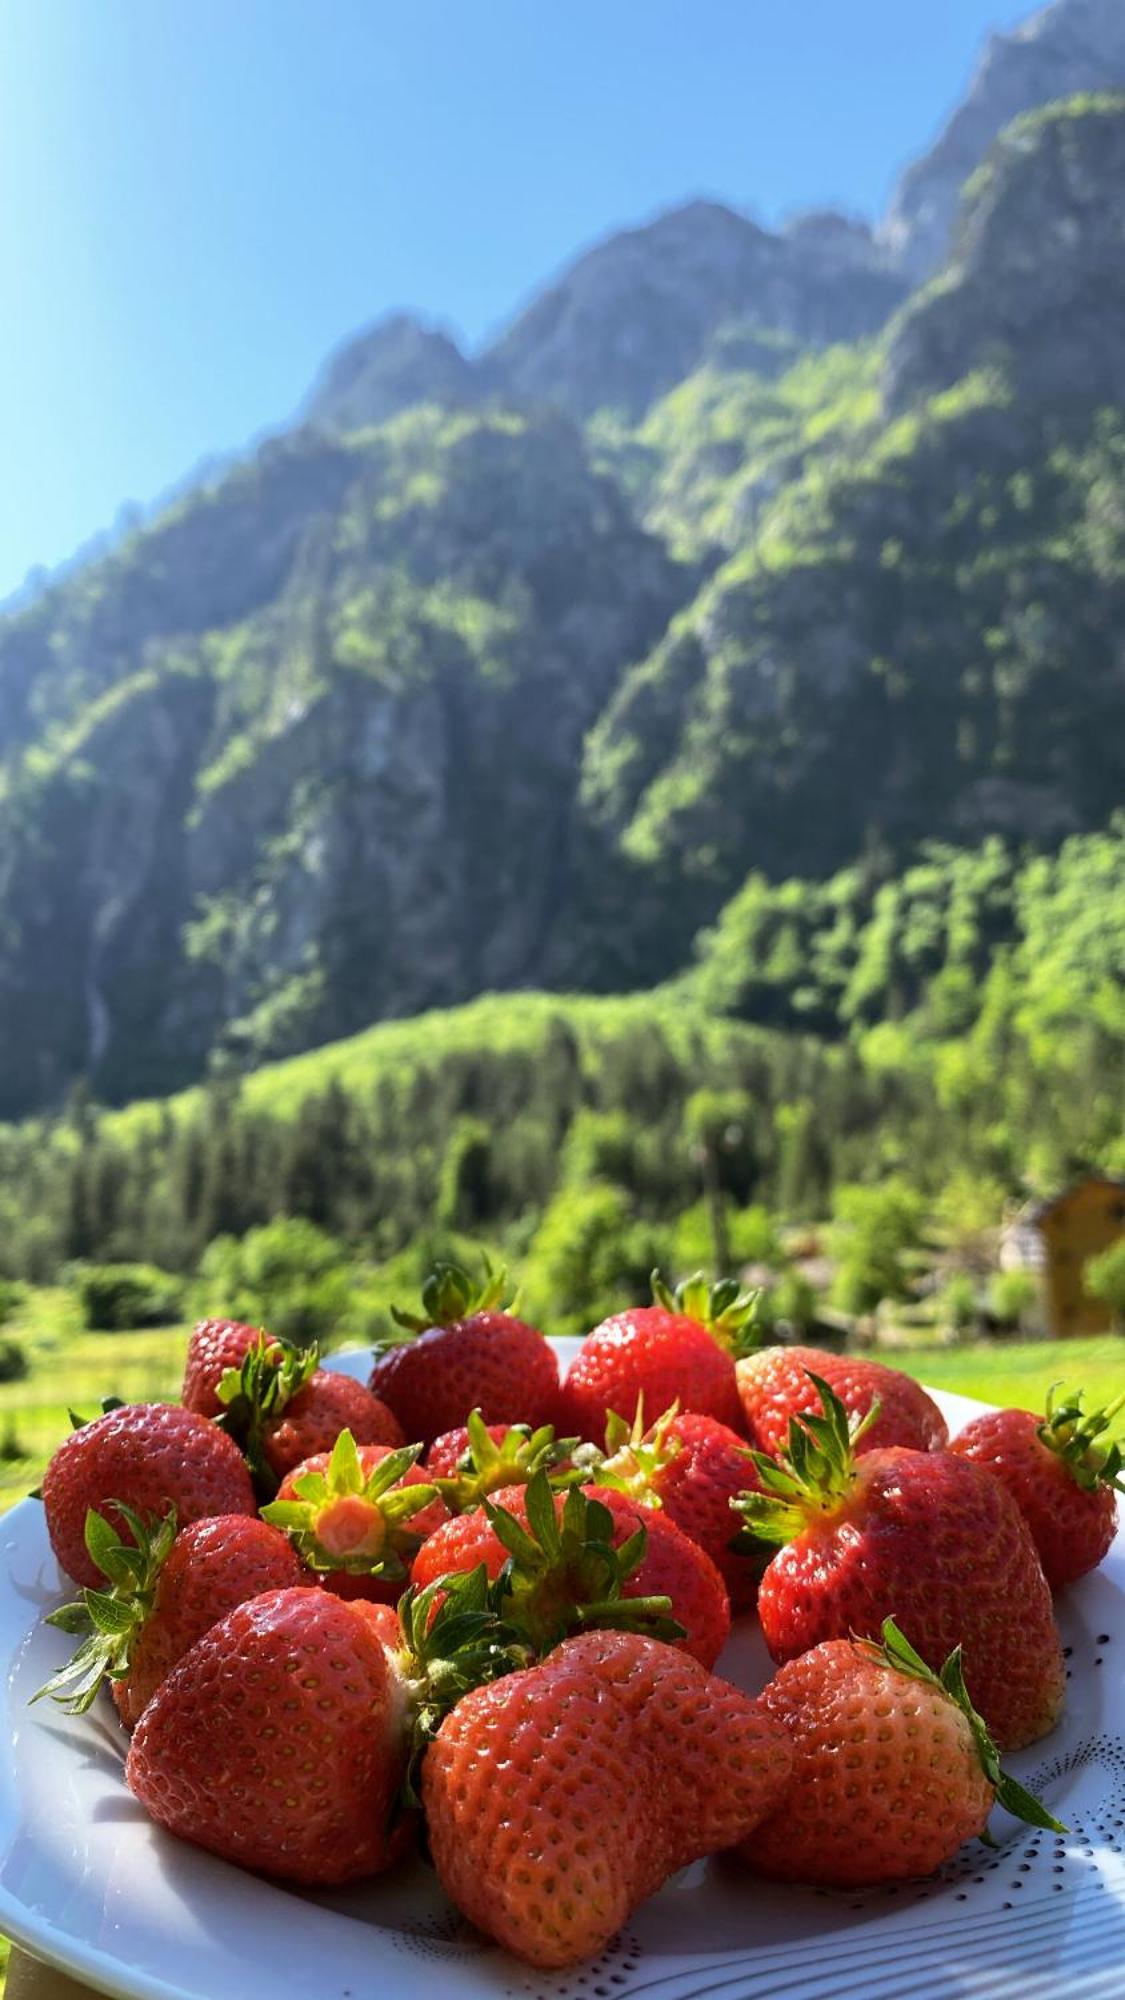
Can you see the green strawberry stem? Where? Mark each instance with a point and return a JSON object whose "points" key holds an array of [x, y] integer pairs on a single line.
{"points": [[896, 1651], [815, 1477], [634, 1457], [485, 1466], [450, 1294], [1077, 1436], [257, 1393], [563, 1574], [727, 1311], [109, 1621], [346, 1519]]}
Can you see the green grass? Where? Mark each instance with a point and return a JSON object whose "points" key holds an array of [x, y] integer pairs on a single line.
{"points": [[71, 1369], [1021, 1372]]}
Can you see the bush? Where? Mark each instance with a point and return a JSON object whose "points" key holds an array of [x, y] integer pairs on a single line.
{"points": [[115, 1297], [1104, 1278], [11, 1296], [13, 1361], [873, 1228], [590, 1258], [957, 1306], [288, 1276], [791, 1303], [751, 1232], [1011, 1294]]}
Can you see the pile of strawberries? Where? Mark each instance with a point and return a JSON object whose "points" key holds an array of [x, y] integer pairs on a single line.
{"points": [[472, 1602]]}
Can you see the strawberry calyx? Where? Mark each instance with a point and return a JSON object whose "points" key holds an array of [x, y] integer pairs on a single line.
{"points": [[485, 1465], [812, 1481], [108, 1621], [455, 1638], [634, 1456], [256, 1394], [1077, 1437], [727, 1310], [897, 1652], [563, 1574], [346, 1519], [451, 1294]]}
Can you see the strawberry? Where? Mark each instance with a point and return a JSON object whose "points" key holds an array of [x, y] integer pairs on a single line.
{"points": [[570, 1556], [150, 1456], [893, 1769], [358, 1515], [926, 1538], [275, 1401], [776, 1385], [277, 1741], [464, 1352], [1061, 1474], [559, 1798], [693, 1467], [681, 1348], [480, 1458], [165, 1590], [286, 1738]]}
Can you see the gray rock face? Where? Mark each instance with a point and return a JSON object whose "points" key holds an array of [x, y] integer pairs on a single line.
{"points": [[392, 366], [1074, 45], [1037, 284], [635, 314]]}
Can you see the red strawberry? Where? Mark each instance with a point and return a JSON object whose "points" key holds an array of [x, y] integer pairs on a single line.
{"points": [[692, 1467], [559, 1798], [555, 1576], [480, 1458], [158, 1594], [893, 1768], [274, 1400], [681, 1349], [465, 1354], [1061, 1474], [217, 1346], [776, 1384], [358, 1516], [277, 1741], [151, 1456], [926, 1538]]}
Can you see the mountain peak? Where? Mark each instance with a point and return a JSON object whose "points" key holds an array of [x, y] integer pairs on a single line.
{"points": [[1064, 49], [396, 363]]}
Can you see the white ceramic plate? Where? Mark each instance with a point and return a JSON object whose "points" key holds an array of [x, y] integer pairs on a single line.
{"points": [[88, 1883]]}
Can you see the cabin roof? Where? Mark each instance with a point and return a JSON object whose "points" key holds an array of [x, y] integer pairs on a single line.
{"points": [[1038, 1211]]}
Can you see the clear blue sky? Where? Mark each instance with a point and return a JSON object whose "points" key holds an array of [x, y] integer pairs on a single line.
{"points": [[200, 198]]}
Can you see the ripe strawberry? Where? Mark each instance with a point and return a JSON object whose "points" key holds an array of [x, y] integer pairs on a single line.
{"points": [[357, 1516], [573, 1555], [151, 1456], [275, 1401], [926, 1538], [277, 1741], [465, 1353], [289, 1734], [681, 1348], [1061, 1474], [776, 1384], [164, 1591], [893, 1768], [693, 1467], [480, 1458], [215, 1347], [559, 1798]]}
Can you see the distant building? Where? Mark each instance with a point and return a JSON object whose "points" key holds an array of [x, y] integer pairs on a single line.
{"points": [[1055, 1239]]}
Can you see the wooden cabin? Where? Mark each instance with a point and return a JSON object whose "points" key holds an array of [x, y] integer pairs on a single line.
{"points": [[1055, 1239]]}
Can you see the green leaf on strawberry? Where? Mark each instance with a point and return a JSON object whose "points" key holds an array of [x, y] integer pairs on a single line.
{"points": [[108, 1621], [1077, 1437], [897, 1652], [257, 1393], [346, 1519], [727, 1310], [485, 1465], [450, 1294], [814, 1478]]}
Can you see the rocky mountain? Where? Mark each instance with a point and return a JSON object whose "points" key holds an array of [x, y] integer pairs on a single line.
{"points": [[506, 670], [1067, 48]]}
